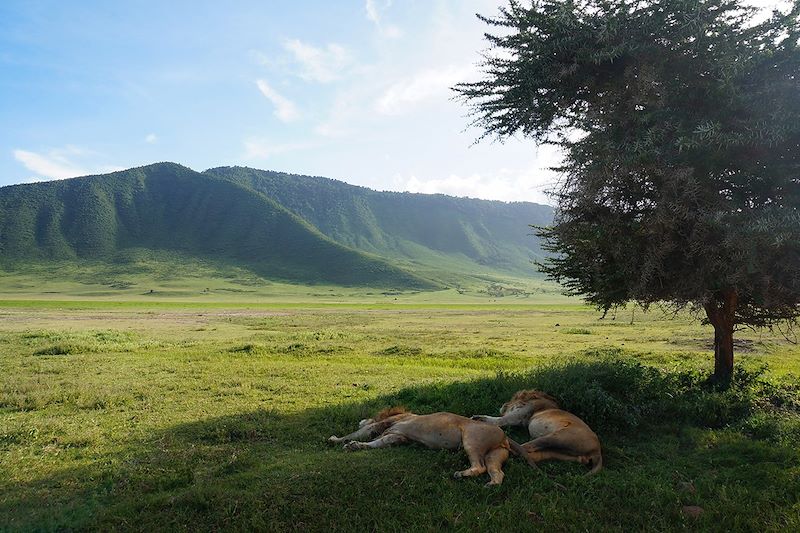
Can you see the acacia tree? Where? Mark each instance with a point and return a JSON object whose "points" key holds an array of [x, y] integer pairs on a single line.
{"points": [[679, 121]]}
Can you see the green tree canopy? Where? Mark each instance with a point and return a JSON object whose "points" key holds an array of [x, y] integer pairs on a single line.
{"points": [[680, 126]]}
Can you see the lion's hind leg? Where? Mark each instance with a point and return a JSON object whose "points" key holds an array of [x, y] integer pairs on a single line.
{"points": [[475, 446], [495, 460], [477, 466], [387, 439], [550, 447], [547, 455]]}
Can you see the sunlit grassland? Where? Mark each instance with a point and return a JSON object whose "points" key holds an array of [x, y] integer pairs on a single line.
{"points": [[148, 276], [207, 415]]}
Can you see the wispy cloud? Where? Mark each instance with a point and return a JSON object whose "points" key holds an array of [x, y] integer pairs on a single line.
{"points": [[54, 164], [59, 163], [504, 185], [322, 65], [374, 16], [151, 138], [428, 84], [285, 109], [532, 181], [372, 12]]}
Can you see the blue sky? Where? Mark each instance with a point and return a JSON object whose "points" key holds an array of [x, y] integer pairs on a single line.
{"points": [[355, 90]]}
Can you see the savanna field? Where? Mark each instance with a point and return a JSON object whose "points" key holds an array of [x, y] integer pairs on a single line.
{"points": [[142, 415], [231, 231]]}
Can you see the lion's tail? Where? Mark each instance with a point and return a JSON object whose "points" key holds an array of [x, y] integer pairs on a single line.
{"points": [[518, 450], [597, 462]]}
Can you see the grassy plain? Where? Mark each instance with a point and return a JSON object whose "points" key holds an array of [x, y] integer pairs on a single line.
{"points": [[176, 278], [118, 414]]}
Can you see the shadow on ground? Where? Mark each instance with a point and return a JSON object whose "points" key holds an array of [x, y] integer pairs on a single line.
{"points": [[667, 443]]}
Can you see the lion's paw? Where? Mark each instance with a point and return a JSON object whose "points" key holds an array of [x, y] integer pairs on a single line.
{"points": [[352, 446]]}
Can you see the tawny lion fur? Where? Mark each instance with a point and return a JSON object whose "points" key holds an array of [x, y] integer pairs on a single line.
{"points": [[386, 412], [486, 446], [555, 433]]}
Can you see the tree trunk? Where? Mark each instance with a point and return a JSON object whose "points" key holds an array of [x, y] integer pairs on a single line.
{"points": [[721, 311]]}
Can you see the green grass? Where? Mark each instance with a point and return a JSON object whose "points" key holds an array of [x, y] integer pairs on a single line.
{"points": [[207, 415], [160, 277]]}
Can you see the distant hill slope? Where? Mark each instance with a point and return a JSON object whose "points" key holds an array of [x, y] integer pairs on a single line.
{"points": [[169, 207], [419, 228]]}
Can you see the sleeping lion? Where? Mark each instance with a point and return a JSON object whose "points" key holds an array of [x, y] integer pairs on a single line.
{"points": [[555, 434], [486, 446]]}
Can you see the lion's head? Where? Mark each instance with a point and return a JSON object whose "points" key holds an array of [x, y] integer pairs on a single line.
{"points": [[383, 414], [526, 396], [386, 412]]}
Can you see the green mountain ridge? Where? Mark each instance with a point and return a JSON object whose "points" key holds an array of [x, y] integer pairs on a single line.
{"points": [[169, 207], [418, 228], [300, 229]]}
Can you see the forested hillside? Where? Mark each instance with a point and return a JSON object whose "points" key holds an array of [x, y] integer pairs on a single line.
{"points": [[301, 229], [415, 227], [169, 207]]}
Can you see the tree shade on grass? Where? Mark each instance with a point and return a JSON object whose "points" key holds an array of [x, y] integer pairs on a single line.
{"points": [[680, 124]]}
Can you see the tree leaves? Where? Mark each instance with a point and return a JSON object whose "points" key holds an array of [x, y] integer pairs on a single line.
{"points": [[684, 181]]}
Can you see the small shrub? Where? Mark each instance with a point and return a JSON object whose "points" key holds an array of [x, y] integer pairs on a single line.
{"points": [[246, 348], [65, 343], [58, 349], [783, 428], [296, 347], [576, 331], [401, 351], [479, 353]]}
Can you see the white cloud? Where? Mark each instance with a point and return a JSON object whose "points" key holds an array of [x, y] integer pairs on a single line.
{"points": [[428, 84], [322, 65], [372, 12], [530, 182], [151, 138], [285, 109], [54, 164], [374, 16], [504, 185], [59, 163]]}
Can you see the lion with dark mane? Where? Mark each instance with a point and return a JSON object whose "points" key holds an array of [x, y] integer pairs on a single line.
{"points": [[555, 433]]}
